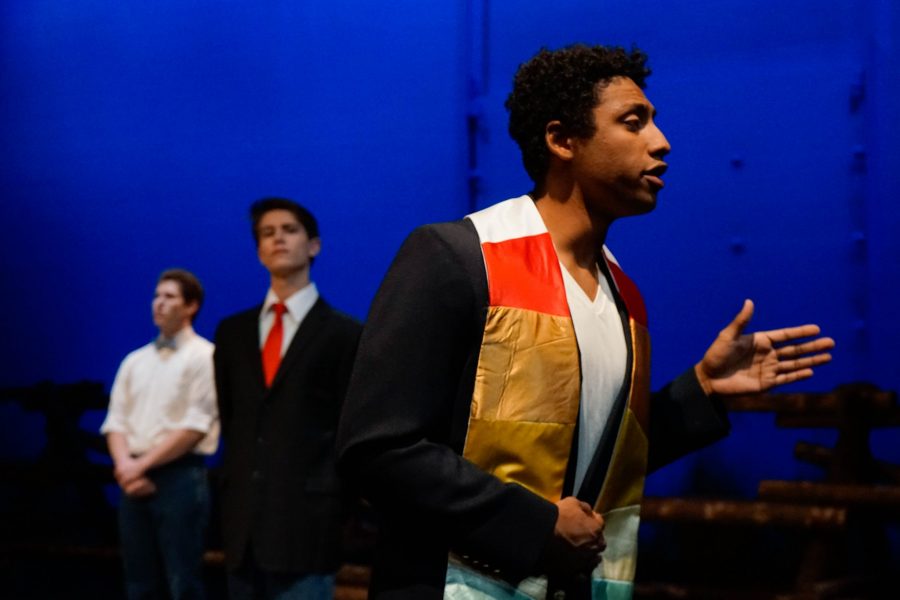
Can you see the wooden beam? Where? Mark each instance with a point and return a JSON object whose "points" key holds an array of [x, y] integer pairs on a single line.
{"points": [[743, 512], [827, 402], [878, 420], [842, 494], [821, 456]]}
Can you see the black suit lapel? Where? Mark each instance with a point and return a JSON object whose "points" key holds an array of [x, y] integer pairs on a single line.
{"points": [[249, 345], [309, 328]]}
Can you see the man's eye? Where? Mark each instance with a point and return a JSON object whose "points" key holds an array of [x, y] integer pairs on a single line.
{"points": [[634, 124]]}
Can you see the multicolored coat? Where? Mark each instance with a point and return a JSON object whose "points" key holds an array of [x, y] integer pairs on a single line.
{"points": [[460, 418]]}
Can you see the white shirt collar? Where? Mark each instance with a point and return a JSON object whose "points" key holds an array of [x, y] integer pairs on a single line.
{"points": [[298, 304], [182, 337]]}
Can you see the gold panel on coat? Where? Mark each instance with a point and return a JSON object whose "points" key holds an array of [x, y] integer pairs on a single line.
{"points": [[528, 369], [534, 455], [624, 484]]}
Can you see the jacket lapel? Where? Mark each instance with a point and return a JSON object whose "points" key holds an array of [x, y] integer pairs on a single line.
{"points": [[249, 341]]}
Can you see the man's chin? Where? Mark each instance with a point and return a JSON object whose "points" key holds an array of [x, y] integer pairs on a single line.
{"points": [[641, 207], [285, 270]]}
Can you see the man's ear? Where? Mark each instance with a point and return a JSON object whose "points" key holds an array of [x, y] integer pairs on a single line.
{"points": [[559, 143], [315, 246], [192, 309]]}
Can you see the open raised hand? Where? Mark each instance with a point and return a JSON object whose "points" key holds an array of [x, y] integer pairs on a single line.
{"points": [[739, 363]]}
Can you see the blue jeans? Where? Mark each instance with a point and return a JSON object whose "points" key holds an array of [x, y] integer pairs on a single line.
{"points": [[162, 535], [250, 582]]}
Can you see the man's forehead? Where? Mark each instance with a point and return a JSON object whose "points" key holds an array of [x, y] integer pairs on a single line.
{"points": [[168, 287], [278, 216], [621, 93]]}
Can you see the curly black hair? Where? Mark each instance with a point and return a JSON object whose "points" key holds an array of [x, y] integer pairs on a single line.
{"points": [[564, 85]]}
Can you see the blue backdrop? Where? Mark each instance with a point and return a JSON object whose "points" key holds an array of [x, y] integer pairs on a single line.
{"points": [[136, 134]]}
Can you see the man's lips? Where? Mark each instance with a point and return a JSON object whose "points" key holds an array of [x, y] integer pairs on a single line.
{"points": [[654, 180], [654, 175]]}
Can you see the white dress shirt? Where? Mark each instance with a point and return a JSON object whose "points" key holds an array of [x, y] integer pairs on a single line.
{"points": [[298, 306], [158, 390]]}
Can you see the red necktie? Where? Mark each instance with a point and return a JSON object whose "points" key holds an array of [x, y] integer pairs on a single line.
{"points": [[271, 353]]}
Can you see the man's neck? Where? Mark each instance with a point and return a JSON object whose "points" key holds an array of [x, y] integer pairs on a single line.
{"points": [[171, 333], [288, 285], [577, 234]]}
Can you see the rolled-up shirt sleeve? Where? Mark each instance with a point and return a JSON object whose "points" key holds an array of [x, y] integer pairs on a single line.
{"points": [[157, 392], [202, 411]]}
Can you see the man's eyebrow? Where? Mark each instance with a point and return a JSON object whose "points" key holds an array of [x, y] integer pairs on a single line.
{"points": [[640, 108]]}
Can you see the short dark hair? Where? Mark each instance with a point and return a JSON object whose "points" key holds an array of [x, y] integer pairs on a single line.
{"points": [[191, 289], [564, 85], [264, 205]]}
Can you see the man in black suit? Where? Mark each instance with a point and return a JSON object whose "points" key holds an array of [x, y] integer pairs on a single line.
{"points": [[499, 416], [281, 374]]}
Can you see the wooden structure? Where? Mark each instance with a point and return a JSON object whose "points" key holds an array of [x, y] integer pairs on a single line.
{"points": [[840, 520], [846, 552]]}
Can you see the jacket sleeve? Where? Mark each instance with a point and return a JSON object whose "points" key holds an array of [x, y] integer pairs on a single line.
{"points": [[683, 419], [411, 385]]}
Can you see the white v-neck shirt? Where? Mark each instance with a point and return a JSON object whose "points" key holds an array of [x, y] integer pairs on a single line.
{"points": [[601, 345]]}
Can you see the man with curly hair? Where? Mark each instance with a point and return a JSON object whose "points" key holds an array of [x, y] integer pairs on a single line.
{"points": [[499, 415]]}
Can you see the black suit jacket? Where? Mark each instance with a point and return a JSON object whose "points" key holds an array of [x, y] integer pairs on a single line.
{"points": [[280, 492], [404, 424]]}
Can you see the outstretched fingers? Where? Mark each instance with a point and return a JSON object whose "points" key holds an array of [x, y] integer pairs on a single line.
{"points": [[787, 334], [800, 358], [803, 364], [793, 376], [817, 345]]}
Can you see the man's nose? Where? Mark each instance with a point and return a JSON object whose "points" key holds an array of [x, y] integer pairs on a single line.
{"points": [[659, 145]]}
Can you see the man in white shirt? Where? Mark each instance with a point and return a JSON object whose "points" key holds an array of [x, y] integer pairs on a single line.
{"points": [[162, 421], [281, 374]]}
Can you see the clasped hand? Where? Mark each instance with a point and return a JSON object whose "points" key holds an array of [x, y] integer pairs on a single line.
{"points": [[577, 538], [130, 475]]}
